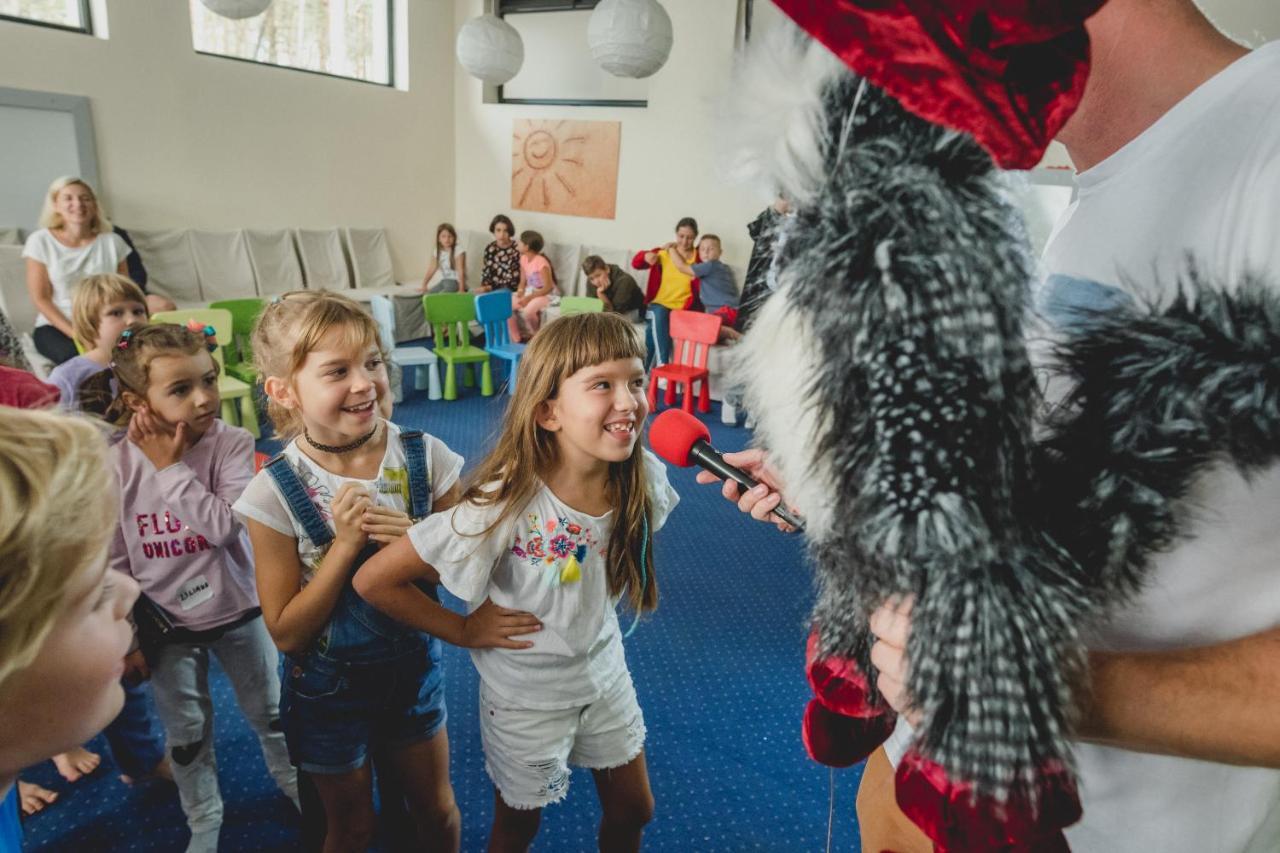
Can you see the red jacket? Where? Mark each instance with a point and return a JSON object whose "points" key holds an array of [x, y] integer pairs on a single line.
{"points": [[694, 302]]}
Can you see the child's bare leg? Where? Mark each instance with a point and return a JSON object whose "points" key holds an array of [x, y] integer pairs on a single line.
{"points": [[35, 797], [76, 763], [627, 802], [513, 829], [424, 769], [350, 823]]}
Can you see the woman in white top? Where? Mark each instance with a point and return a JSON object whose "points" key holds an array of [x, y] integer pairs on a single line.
{"points": [[448, 261], [75, 240]]}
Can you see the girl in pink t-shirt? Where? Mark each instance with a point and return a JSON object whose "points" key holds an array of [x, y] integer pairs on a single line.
{"points": [[180, 469], [537, 283]]}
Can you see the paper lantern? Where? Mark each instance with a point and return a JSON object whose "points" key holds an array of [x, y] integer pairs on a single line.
{"points": [[490, 49], [237, 9], [630, 38]]}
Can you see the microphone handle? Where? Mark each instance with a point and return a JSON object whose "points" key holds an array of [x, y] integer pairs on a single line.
{"points": [[707, 457]]}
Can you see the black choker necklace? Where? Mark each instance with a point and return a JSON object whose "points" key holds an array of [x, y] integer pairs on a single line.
{"points": [[340, 448]]}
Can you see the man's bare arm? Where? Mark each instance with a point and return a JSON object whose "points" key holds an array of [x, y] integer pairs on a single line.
{"points": [[1217, 703]]}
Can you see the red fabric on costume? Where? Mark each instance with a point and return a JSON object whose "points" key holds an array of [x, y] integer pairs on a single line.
{"points": [[1008, 72], [946, 812], [840, 726]]}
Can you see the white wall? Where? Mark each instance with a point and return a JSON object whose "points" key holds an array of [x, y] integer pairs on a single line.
{"points": [[186, 140], [668, 159]]}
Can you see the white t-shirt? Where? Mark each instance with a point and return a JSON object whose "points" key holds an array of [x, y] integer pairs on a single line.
{"points": [[67, 266], [550, 561], [263, 502], [446, 264], [1204, 179]]}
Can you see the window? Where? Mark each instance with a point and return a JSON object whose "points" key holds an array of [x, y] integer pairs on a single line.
{"points": [[62, 14], [558, 66], [341, 38]]}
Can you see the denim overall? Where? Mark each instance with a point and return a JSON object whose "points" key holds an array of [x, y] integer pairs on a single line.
{"points": [[367, 675]]}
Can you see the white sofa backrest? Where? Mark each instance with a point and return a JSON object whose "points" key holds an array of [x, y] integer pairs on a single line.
{"points": [[222, 265], [14, 299], [324, 266], [370, 257], [171, 269], [275, 261]]}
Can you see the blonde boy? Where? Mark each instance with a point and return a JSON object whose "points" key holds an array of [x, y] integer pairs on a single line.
{"points": [[101, 308]]}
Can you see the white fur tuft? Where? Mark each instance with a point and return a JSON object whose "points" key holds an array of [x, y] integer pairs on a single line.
{"points": [[766, 363], [772, 121]]}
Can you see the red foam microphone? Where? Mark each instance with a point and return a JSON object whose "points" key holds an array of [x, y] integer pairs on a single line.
{"points": [[683, 440]]}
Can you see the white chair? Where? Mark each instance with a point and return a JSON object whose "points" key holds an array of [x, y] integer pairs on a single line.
{"points": [[171, 269], [418, 359], [323, 264], [275, 262], [222, 264]]}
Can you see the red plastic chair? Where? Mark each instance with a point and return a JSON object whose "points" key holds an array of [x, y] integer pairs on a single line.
{"points": [[693, 333]]}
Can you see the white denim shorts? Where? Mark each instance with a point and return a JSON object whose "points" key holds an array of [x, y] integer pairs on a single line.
{"points": [[527, 753]]}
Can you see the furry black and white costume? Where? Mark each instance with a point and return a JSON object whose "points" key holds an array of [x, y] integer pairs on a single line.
{"points": [[905, 433]]}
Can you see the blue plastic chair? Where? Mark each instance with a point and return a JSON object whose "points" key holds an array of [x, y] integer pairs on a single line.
{"points": [[492, 311]]}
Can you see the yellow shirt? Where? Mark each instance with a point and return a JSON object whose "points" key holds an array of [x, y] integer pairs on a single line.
{"points": [[675, 288]]}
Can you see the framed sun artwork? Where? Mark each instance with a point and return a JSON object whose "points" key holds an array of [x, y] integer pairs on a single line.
{"points": [[565, 167]]}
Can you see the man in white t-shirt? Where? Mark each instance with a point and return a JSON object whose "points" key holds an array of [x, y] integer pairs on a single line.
{"points": [[1177, 144]]}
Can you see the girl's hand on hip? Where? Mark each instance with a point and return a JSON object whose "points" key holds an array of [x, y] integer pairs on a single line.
{"points": [[159, 442], [491, 626], [348, 510], [385, 525]]}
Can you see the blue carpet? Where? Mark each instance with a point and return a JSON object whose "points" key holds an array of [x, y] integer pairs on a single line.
{"points": [[718, 669]]}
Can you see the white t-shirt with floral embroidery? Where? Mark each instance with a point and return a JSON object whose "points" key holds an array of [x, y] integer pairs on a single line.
{"points": [[263, 502], [550, 561]]}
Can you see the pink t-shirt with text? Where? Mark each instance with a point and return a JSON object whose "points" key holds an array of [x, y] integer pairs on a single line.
{"points": [[177, 535]]}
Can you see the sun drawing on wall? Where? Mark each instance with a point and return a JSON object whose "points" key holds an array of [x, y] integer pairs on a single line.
{"points": [[566, 167]]}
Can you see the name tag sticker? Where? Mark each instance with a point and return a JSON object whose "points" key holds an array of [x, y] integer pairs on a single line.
{"points": [[196, 591]]}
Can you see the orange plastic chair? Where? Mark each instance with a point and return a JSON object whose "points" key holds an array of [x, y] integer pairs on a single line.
{"points": [[693, 333]]}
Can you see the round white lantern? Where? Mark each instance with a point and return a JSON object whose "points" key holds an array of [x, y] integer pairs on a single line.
{"points": [[490, 49], [237, 9], [630, 38]]}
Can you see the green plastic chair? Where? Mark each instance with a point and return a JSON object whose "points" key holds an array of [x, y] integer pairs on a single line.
{"points": [[450, 316], [570, 305], [237, 395], [239, 352]]}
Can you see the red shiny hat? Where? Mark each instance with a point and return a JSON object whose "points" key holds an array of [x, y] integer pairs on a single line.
{"points": [[1008, 72]]}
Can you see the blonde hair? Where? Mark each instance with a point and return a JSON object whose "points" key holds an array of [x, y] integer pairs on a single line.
{"points": [[92, 295], [131, 367], [291, 327], [53, 467], [50, 218], [525, 453]]}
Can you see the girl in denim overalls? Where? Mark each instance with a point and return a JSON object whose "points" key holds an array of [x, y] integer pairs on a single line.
{"points": [[349, 482], [558, 521]]}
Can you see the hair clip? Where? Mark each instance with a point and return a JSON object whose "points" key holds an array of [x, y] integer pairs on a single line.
{"points": [[210, 333], [125, 336]]}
